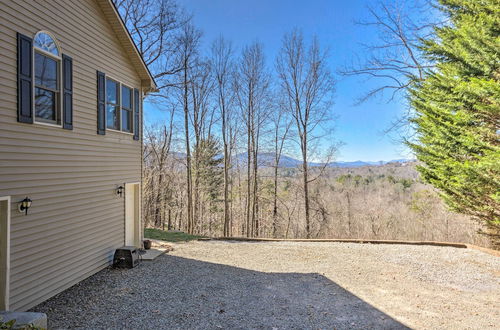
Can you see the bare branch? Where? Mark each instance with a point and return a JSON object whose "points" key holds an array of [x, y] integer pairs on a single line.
{"points": [[396, 57]]}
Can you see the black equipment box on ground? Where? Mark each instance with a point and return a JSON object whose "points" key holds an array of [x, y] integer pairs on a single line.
{"points": [[126, 257]]}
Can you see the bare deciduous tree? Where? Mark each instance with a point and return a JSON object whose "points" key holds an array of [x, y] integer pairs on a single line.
{"points": [[308, 87], [201, 86], [188, 43], [156, 153], [252, 94], [281, 128], [153, 25], [222, 62]]}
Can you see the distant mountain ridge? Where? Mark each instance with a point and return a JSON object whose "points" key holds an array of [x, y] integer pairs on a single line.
{"points": [[267, 160]]}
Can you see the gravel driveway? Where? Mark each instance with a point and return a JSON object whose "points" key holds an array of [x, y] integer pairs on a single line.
{"points": [[289, 285]]}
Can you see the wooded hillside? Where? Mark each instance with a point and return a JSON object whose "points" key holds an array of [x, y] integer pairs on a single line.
{"points": [[378, 202]]}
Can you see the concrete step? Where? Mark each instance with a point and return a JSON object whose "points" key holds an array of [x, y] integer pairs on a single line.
{"points": [[152, 254]]}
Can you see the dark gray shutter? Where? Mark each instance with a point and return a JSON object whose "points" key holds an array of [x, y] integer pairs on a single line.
{"points": [[101, 103], [67, 70], [137, 117], [24, 79]]}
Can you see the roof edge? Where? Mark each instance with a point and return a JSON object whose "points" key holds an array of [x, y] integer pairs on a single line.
{"points": [[125, 32]]}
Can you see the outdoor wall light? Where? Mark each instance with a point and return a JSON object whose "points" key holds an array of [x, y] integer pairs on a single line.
{"points": [[119, 191], [24, 205]]}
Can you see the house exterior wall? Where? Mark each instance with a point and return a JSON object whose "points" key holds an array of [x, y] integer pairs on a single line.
{"points": [[76, 219]]}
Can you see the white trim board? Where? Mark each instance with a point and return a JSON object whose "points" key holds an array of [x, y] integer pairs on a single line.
{"points": [[133, 233], [5, 263]]}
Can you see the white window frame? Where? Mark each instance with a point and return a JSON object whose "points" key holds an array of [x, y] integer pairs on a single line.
{"points": [[119, 103], [120, 84], [132, 98], [58, 59]]}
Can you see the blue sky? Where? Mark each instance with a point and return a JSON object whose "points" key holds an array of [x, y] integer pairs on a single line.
{"points": [[360, 127]]}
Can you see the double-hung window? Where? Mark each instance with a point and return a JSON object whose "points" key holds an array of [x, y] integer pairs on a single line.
{"points": [[112, 104], [119, 106], [47, 94], [127, 109]]}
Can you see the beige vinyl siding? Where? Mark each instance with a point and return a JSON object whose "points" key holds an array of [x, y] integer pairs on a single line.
{"points": [[76, 220]]}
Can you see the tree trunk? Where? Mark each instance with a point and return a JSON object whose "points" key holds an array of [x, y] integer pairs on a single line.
{"points": [[255, 204], [158, 220], [249, 232], [305, 168], [255, 209], [188, 155], [348, 197], [226, 175], [196, 190], [275, 202], [275, 191]]}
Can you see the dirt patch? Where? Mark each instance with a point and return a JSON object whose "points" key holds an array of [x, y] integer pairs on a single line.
{"points": [[218, 284]]}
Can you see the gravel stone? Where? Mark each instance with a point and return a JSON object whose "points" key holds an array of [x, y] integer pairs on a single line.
{"points": [[289, 285]]}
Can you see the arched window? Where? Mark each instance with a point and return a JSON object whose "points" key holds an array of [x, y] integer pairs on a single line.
{"points": [[47, 65], [45, 42]]}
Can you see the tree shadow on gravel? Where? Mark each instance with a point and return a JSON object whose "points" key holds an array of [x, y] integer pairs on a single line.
{"points": [[179, 293]]}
